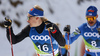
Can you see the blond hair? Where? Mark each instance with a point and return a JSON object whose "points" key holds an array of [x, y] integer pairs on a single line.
{"points": [[39, 8]]}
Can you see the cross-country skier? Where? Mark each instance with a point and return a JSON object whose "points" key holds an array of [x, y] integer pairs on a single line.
{"points": [[38, 32], [90, 32]]}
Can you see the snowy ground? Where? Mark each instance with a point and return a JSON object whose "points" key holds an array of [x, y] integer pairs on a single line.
{"points": [[65, 12]]}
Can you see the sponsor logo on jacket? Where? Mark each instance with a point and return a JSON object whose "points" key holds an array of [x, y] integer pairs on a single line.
{"points": [[41, 37], [90, 34]]}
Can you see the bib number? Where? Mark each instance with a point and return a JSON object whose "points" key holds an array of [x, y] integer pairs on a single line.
{"points": [[93, 43], [44, 47]]}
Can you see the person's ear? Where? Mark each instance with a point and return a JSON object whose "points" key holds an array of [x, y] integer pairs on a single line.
{"points": [[97, 16]]}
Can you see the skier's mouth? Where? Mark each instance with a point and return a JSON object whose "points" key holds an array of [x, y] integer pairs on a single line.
{"points": [[91, 22]]}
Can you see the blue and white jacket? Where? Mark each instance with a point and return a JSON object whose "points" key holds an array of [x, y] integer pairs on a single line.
{"points": [[90, 35]]}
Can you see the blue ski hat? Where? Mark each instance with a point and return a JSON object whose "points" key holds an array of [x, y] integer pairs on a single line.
{"points": [[91, 11], [36, 12]]}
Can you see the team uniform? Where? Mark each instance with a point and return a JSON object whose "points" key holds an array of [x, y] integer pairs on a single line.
{"points": [[41, 41], [91, 38]]}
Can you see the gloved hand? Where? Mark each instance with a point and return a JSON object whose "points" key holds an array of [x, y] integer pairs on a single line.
{"points": [[67, 28], [7, 22], [67, 47], [49, 25]]}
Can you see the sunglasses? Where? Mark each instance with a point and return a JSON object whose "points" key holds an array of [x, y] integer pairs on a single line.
{"points": [[29, 17], [90, 18]]}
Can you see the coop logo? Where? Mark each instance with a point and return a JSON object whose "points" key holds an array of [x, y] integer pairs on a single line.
{"points": [[41, 37], [89, 34]]}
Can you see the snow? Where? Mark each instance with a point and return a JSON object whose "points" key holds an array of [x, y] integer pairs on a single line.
{"points": [[65, 12]]}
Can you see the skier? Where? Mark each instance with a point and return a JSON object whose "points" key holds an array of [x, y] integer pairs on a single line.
{"points": [[90, 32], [38, 32]]}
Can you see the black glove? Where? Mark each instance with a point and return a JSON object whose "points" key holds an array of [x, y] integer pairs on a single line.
{"points": [[67, 28], [7, 23], [49, 25]]}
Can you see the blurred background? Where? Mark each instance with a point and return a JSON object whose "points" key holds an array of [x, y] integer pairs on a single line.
{"points": [[64, 12]]}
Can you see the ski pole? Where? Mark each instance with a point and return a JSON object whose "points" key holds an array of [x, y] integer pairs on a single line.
{"points": [[60, 51], [10, 38], [68, 39], [11, 42], [68, 44], [51, 41]]}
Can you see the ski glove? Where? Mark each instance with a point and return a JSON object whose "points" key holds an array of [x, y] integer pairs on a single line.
{"points": [[67, 28], [7, 22], [50, 25]]}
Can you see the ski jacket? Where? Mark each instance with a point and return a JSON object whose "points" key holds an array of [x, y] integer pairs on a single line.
{"points": [[90, 36], [41, 41]]}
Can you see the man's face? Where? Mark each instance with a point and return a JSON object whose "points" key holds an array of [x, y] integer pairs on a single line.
{"points": [[91, 20]]}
